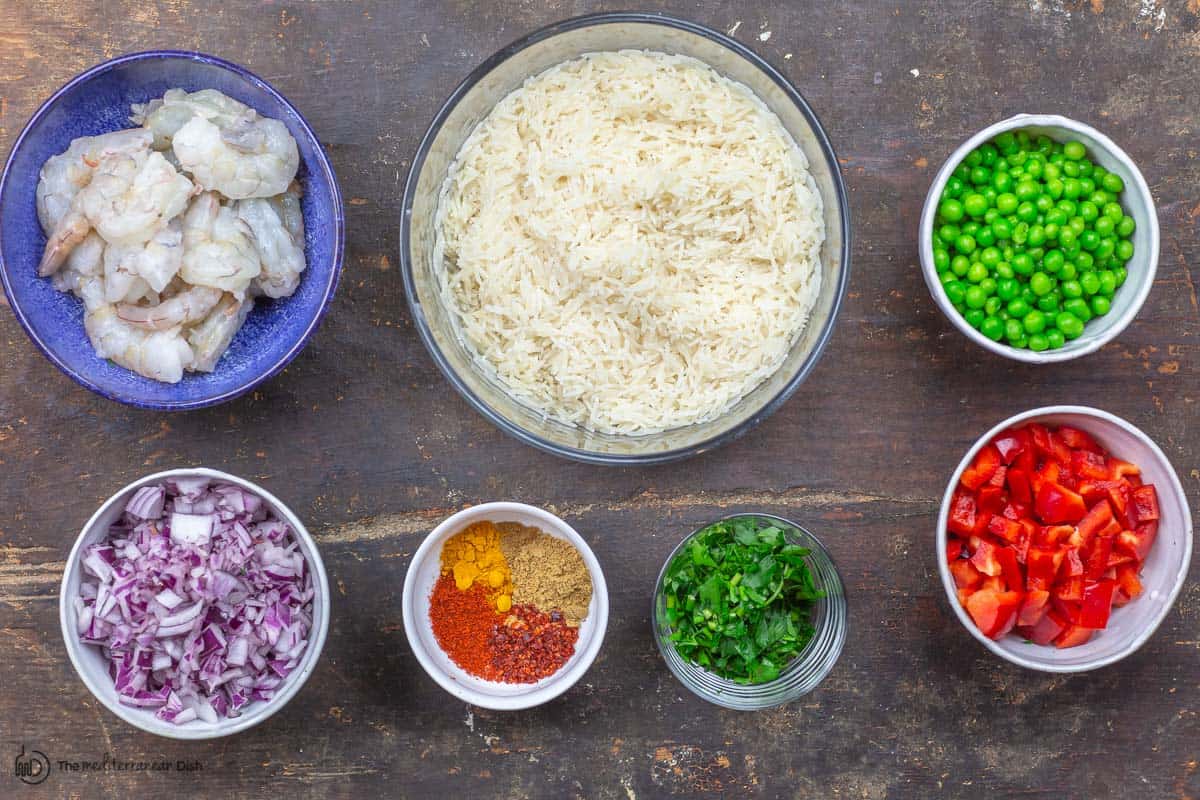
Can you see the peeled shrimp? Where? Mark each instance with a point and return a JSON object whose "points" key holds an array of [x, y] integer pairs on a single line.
{"points": [[165, 116], [278, 230], [122, 283], [218, 247], [83, 273], [156, 262], [184, 308], [212, 337], [247, 158], [129, 198], [161, 355], [63, 175]]}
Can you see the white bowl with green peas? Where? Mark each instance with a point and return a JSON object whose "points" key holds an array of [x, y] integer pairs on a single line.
{"points": [[1119, 300]]}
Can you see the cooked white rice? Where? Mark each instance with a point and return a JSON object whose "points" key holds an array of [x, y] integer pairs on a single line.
{"points": [[629, 242]]}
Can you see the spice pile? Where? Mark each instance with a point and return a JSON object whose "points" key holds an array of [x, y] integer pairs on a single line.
{"points": [[510, 599]]}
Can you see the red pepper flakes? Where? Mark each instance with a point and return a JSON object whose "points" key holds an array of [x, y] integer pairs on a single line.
{"points": [[462, 622], [530, 644]]}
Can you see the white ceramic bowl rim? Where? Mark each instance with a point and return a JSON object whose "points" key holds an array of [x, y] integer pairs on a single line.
{"points": [[1180, 577], [1138, 187], [558, 683], [258, 711]]}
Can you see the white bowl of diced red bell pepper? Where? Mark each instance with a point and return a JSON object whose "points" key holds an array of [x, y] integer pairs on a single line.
{"points": [[1064, 538]]}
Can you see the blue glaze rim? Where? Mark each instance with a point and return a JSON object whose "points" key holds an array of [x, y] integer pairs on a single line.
{"points": [[339, 231], [418, 314]]}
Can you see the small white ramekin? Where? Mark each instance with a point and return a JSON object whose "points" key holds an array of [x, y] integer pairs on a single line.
{"points": [[1136, 199], [423, 573], [1163, 574], [91, 665]]}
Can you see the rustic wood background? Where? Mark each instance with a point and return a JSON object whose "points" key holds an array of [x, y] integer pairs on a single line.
{"points": [[365, 440]]}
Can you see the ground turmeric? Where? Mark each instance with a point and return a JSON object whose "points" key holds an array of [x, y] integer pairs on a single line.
{"points": [[473, 555]]}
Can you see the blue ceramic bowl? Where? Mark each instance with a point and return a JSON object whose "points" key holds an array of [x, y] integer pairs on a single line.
{"points": [[97, 101]]}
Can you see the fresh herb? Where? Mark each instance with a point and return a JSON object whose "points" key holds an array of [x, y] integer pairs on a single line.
{"points": [[739, 600]]}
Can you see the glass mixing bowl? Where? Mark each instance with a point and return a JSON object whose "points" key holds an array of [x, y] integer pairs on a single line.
{"points": [[474, 99]]}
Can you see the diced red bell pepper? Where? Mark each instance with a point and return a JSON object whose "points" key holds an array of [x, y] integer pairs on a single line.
{"points": [[990, 499], [1061, 451], [1074, 636], [1048, 628], [1057, 504], [1049, 472], [1145, 503], [1041, 439], [1053, 535], [997, 478], [1069, 590], [1066, 609], [995, 583], [1129, 585], [1018, 485], [1034, 608], [965, 575], [1010, 444], [1093, 522], [954, 548], [1005, 528], [1077, 439], [1138, 543], [985, 559], [1097, 604], [982, 469], [1116, 558], [1089, 466], [1118, 469], [1010, 570], [1041, 565], [1028, 529], [1072, 565], [994, 612], [962, 514], [1097, 558]]}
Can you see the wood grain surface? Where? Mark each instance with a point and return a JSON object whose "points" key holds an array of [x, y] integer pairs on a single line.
{"points": [[366, 441]]}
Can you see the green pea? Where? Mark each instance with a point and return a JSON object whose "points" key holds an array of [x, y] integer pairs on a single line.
{"points": [[1121, 274], [1038, 343], [1090, 282], [1001, 230], [1001, 181], [1126, 227], [1006, 142], [951, 210], [975, 204], [980, 175], [974, 317], [1070, 169], [988, 285], [1018, 308], [1055, 338], [974, 158], [1054, 187], [956, 291], [989, 257], [992, 327], [1074, 150], [1004, 270], [1043, 203], [1071, 188], [1106, 248], [1124, 250], [1053, 261], [1086, 185], [1068, 271], [1007, 203], [948, 233], [1104, 226], [1034, 322], [1020, 232], [1037, 236], [1078, 307], [1108, 283], [1027, 190], [959, 265], [1069, 324], [992, 306], [965, 243], [1071, 289], [1100, 305], [970, 227], [977, 272], [1088, 210], [1067, 236], [990, 216], [1040, 283], [1068, 207], [1052, 230], [1089, 240], [984, 236], [1013, 330], [975, 297], [1100, 197], [1048, 304], [1034, 169], [1027, 212]]}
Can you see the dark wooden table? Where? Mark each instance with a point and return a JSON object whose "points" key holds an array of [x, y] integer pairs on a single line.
{"points": [[366, 441]]}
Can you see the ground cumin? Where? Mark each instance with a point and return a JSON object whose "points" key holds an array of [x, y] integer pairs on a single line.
{"points": [[546, 572]]}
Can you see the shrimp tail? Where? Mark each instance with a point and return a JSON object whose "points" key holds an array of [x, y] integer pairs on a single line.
{"points": [[72, 230]]}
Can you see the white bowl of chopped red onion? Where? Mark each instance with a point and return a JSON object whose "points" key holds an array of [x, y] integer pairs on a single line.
{"points": [[194, 604]]}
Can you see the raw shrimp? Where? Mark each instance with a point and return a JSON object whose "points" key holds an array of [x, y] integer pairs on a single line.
{"points": [[248, 158], [129, 198], [157, 261], [218, 247], [184, 308], [84, 272], [122, 283], [211, 338], [161, 355], [63, 175], [278, 230], [165, 116]]}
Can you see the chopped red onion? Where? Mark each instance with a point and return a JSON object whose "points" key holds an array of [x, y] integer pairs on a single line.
{"points": [[200, 599]]}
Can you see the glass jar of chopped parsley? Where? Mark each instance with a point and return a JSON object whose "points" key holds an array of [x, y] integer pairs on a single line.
{"points": [[749, 612]]}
